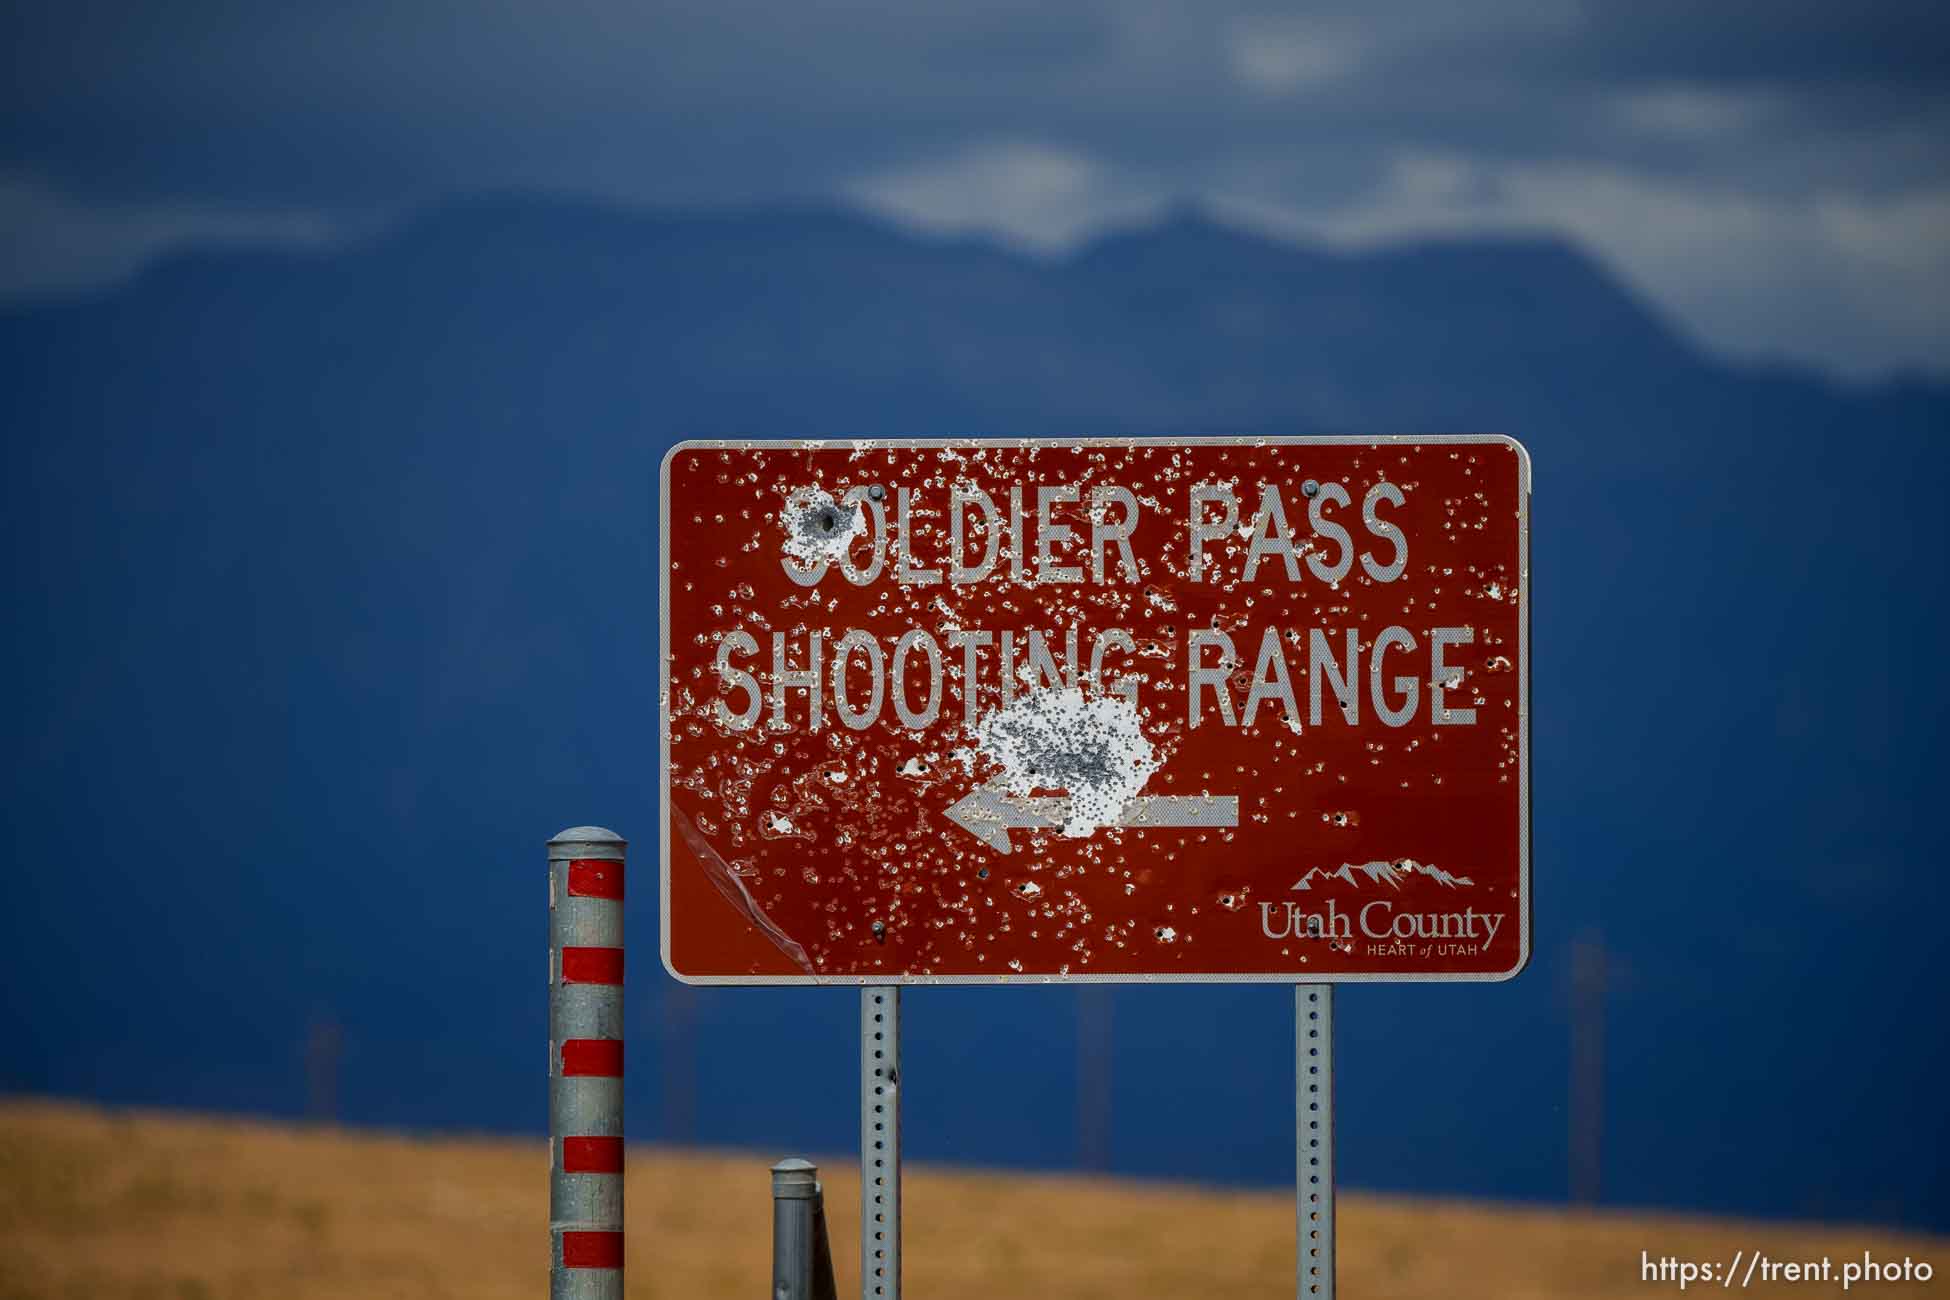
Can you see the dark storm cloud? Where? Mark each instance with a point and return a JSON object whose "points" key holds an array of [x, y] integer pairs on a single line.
{"points": [[1345, 117], [362, 100], [1821, 48]]}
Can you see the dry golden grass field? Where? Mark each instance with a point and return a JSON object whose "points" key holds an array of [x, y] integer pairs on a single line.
{"points": [[109, 1205]]}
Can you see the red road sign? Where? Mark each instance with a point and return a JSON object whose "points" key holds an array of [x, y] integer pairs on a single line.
{"points": [[1264, 715]]}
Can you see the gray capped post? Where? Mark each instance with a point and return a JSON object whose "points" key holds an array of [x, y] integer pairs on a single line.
{"points": [[802, 1254], [585, 1064]]}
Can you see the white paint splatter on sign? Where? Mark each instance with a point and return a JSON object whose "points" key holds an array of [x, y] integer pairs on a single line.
{"points": [[1061, 740], [818, 529]]}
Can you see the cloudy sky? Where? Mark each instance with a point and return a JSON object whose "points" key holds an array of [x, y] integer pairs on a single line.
{"points": [[1774, 175]]}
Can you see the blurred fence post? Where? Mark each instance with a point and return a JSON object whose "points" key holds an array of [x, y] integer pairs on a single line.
{"points": [[1094, 1062], [1587, 1108], [802, 1254], [585, 1064], [677, 1060], [324, 1049]]}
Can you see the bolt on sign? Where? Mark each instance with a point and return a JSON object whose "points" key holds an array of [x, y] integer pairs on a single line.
{"points": [[1098, 709]]}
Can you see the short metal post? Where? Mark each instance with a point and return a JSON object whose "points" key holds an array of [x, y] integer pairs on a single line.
{"points": [[880, 1143], [802, 1262], [585, 1064], [1313, 1006]]}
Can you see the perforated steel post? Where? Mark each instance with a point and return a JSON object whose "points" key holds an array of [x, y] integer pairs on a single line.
{"points": [[1313, 1016], [880, 1143], [585, 1064]]}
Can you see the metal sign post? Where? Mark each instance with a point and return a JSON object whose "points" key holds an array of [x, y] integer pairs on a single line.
{"points": [[880, 1149], [1313, 1099], [880, 1143]]}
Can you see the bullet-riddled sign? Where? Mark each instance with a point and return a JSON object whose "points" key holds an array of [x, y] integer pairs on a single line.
{"points": [[990, 711]]}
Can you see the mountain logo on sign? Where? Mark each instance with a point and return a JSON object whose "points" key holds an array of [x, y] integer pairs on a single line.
{"points": [[1388, 873]]}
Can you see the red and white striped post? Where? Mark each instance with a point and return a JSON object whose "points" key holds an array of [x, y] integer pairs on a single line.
{"points": [[585, 1064]]}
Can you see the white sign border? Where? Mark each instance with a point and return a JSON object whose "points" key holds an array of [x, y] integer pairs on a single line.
{"points": [[1374, 442]]}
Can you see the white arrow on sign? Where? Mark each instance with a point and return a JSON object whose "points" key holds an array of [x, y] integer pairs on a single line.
{"points": [[990, 814]]}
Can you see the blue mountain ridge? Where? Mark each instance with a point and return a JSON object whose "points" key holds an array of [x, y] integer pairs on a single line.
{"points": [[332, 584]]}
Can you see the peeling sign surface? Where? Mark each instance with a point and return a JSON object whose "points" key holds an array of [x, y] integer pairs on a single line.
{"points": [[1004, 710]]}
